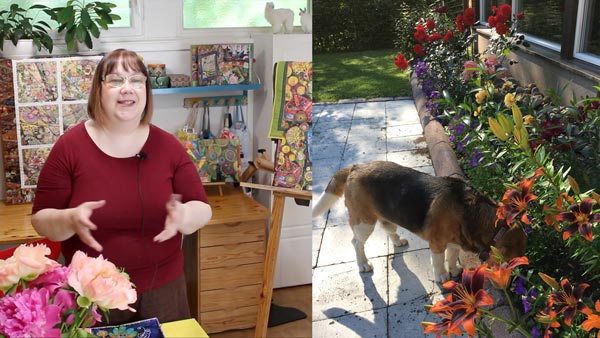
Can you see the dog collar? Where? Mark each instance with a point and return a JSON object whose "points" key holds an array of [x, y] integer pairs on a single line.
{"points": [[484, 255]]}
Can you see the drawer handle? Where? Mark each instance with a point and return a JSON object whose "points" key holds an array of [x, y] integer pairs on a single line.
{"points": [[232, 224]]}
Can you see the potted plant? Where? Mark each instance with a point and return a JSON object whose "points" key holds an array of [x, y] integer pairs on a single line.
{"points": [[17, 23], [81, 20]]}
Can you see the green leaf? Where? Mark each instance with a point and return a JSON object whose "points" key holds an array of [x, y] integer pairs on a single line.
{"points": [[85, 19], [65, 15]]}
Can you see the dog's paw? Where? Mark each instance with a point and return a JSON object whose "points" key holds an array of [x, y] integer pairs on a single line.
{"points": [[442, 278], [399, 241], [455, 271], [365, 267]]}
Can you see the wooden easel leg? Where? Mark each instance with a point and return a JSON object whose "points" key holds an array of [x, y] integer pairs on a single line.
{"points": [[264, 305]]}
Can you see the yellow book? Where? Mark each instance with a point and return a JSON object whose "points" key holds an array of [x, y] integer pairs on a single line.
{"points": [[183, 329]]}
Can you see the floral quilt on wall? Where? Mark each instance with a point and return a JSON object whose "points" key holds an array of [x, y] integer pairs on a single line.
{"points": [[41, 99], [291, 125]]}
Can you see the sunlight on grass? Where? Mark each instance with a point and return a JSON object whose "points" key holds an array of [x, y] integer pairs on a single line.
{"points": [[353, 75]]}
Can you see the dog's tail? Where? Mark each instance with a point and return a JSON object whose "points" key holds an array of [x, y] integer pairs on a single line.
{"points": [[333, 192]]}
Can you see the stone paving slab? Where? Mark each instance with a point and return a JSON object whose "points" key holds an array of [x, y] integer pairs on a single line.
{"points": [[387, 302], [342, 290]]}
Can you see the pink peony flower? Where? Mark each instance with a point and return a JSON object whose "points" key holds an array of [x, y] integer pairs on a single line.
{"points": [[32, 261], [28, 314], [101, 282]]}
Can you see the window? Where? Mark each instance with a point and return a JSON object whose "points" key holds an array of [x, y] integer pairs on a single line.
{"points": [[234, 13], [123, 9], [588, 33], [544, 20]]}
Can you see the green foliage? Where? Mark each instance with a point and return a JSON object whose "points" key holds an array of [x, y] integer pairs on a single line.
{"points": [[16, 24], [354, 25], [351, 75], [81, 20]]}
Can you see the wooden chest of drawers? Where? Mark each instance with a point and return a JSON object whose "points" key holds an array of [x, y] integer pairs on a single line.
{"points": [[224, 263]]}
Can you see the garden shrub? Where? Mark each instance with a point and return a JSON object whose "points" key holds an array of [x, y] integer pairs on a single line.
{"points": [[537, 158]]}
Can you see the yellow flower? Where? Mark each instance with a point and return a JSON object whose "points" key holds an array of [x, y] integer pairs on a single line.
{"points": [[528, 119], [507, 85], [477, 111], [517, 116], [510, 99], [481, 96]]}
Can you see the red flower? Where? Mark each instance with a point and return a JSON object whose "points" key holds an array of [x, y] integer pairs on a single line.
{"points": [[401, 62], [501, 28], [430, 24], [420, 33], [418, 49], [492, 21], [469, 17], [515, 202], [442, 9], [434, 37], [499, 273], [568, 300], [459, 23], [447, 36], [580, 217], [505, 10], [593, 320], [465, 300], [520, 16]]}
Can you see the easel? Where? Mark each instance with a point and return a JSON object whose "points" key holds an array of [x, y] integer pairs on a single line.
{"points": [[266, 295]]}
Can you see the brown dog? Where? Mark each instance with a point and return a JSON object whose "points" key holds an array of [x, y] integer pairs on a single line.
{"points": [[445, 211]]}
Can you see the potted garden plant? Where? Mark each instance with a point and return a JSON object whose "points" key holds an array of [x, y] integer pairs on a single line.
{"points": [[18, 24], [81, 20]]}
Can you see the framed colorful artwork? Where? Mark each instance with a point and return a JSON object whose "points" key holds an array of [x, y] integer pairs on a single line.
{"points": [[221, 64], [42, 100]]}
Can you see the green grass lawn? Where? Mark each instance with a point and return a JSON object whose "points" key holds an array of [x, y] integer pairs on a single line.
{"points": [[353, 75]]}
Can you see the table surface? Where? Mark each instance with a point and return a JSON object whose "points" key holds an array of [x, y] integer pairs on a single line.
{"points": [[16, 228]]}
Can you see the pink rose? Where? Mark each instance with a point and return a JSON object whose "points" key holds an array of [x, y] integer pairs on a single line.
{"points": [[101, 282], [469, 71], [8, 274]]}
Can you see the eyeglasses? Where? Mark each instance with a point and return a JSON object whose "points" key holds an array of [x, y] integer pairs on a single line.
{"points": [[117, 81]]}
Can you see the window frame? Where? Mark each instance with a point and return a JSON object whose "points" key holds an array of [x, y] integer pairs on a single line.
{"points": [[570, 45]]}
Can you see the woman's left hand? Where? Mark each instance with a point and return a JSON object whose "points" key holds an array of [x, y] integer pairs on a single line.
{"points": [[174, 220]]}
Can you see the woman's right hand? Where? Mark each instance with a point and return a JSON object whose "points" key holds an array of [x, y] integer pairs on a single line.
{"points": [[83, 226]]}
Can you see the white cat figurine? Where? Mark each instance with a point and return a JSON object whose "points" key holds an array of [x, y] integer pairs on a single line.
{"points": [[282, 19], [306, 21]]}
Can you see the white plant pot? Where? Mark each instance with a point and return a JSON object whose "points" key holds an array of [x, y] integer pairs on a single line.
{"points": [[23, 50]]}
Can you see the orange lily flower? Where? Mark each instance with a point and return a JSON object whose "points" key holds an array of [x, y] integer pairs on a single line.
{"points": [[515, 202], [465, 300], [548, 317], [568, 300], [500, 273], [580, 217], [593, 320]]}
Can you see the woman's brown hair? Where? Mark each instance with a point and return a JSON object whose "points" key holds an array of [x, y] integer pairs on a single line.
{"points": [[130, 61]]}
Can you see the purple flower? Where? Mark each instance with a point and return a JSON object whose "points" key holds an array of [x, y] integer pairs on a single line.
{"points": [[459, 128], [526, 305], [460, 146], [535, 333], [520, 287], [452, 137]]}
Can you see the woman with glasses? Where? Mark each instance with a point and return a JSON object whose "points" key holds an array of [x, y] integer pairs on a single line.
{"points": [[119, 186]]}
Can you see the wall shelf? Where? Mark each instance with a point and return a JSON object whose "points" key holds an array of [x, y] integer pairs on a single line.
{"points": [[206, 89]]}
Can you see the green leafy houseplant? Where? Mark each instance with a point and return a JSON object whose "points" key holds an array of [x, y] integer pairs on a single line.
{"points": [[16, 23], [81, 20]]}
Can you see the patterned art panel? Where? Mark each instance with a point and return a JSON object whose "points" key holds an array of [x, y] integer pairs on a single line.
{"points": [[36, 81], [291, 125], [49, 97]]}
